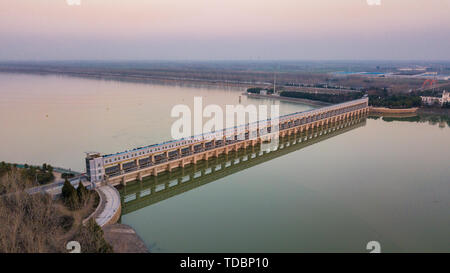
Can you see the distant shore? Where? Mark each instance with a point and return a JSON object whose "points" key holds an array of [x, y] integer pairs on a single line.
{"points": [[129, 76], [235, 79]]}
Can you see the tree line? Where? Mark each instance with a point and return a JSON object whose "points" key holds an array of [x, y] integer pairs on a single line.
{"points": [[395, 101], [257, 90], [31, 174], [74, 198], [381, 97], [325, 97]]}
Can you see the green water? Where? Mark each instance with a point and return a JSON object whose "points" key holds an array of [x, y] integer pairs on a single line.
{"points": [[386, 180]]}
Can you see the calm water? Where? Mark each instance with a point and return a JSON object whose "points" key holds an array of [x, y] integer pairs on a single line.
{"points": [[376, 179], [383, 181], [57, 119]]}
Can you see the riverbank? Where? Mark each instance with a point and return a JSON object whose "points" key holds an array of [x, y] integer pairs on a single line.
{"points": [[409, 111], [124, 239], [384, 110]]}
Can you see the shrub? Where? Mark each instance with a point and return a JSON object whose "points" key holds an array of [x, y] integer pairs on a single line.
{"points": [[82, 193], [91, 239], [69, 195]]}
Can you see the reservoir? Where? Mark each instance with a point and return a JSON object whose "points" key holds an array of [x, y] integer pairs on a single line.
{"points": [[333, 190]]}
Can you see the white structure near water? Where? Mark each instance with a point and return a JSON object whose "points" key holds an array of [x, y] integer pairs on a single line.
{"points": [[436, 100]]}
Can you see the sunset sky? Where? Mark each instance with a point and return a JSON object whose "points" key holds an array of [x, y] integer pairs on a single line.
{"points": [[224, 30]]}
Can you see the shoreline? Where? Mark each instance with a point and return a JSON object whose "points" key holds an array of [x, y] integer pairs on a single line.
{"points": [[409, 111], [124, 239], [385, 110], [149, 79], [135, 77]]}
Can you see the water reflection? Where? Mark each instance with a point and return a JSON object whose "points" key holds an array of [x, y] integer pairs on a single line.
{"points": [[441, 121], [155, 189]]}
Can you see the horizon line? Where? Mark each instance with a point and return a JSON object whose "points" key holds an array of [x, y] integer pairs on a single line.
{"points": [[218, 60]]}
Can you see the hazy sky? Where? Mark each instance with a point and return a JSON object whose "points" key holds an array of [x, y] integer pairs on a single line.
{"points": [[224, 29]]}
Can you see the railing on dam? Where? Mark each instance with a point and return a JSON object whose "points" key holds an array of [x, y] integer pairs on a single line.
{"points": [[158, 188]]}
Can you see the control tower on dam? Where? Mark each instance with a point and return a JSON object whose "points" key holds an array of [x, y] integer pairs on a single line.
{"points": [[123, 167]]}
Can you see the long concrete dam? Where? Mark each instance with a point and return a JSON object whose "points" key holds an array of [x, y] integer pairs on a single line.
{"points": [[154, 189], [135, 164]]}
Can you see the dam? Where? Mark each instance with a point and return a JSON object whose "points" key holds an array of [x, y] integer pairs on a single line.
{"points": [[132, 165]]}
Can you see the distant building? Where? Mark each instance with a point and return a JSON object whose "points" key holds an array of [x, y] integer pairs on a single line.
{"points": [[263, 92], [445, 97], [436, 100], [418, 68]]}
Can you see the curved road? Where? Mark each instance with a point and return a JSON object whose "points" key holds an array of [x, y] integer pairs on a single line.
{"points": [[110, 204]]}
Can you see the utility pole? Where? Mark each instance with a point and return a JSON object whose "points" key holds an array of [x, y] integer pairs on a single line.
{"points": [[274, 82], [275, 79]]}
